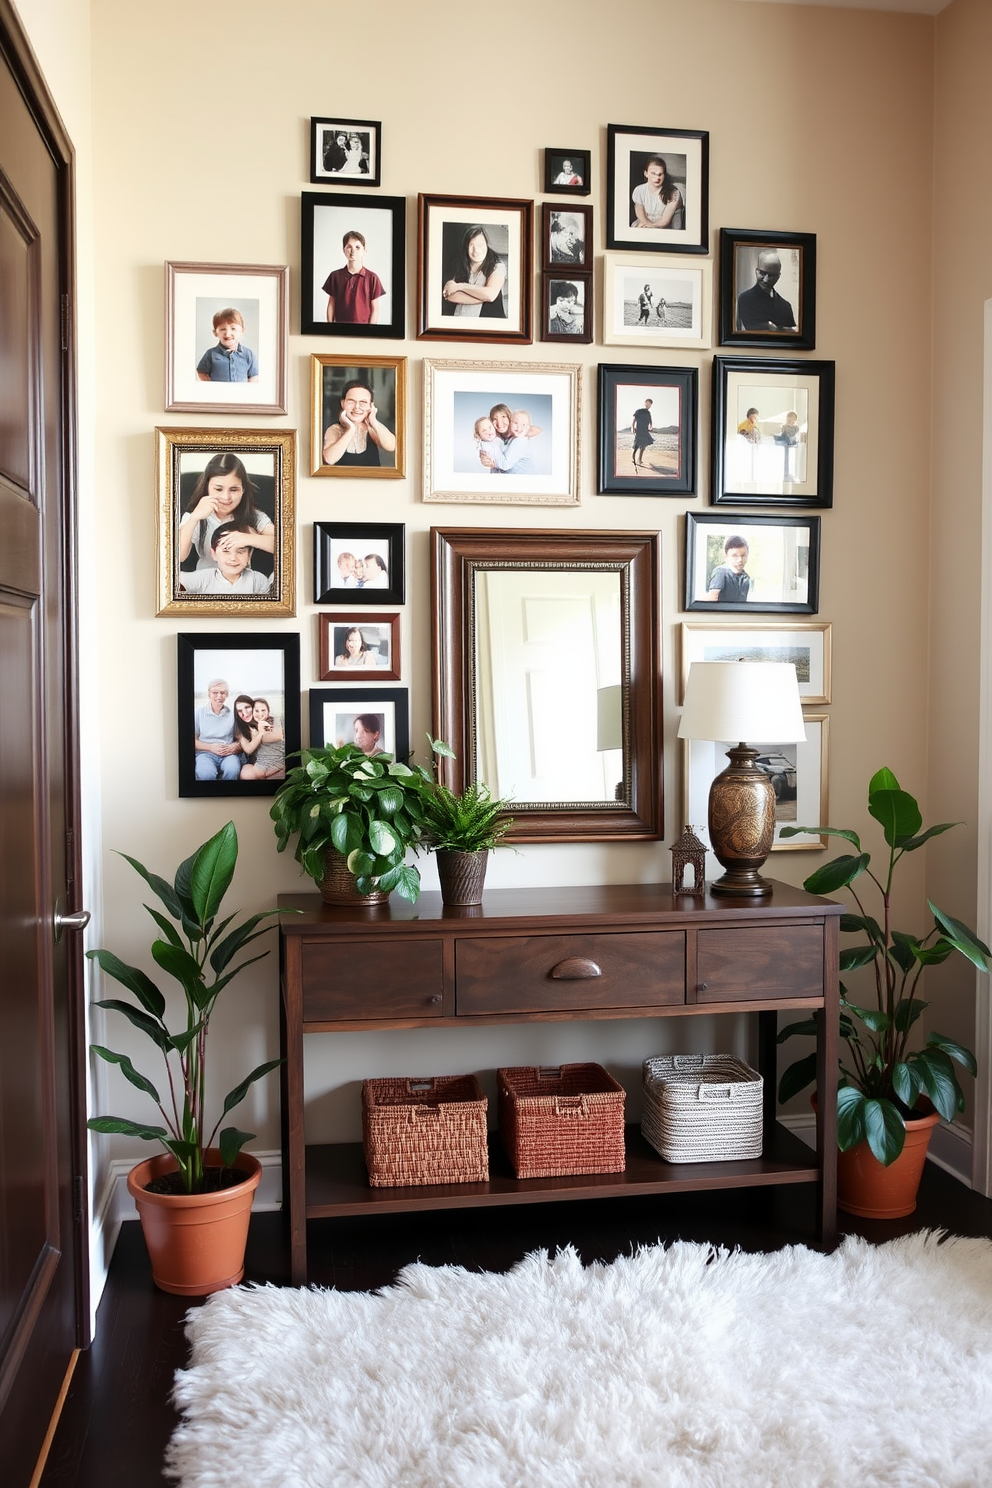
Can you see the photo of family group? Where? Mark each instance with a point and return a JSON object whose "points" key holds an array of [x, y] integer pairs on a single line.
{"points": [[499, 439], [234, 693], [226, 337], [358, 563], [353, 263]]}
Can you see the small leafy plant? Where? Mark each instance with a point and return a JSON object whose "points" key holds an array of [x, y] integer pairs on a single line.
{"points": [[198, 954], [882, 1078], [470, 821]]}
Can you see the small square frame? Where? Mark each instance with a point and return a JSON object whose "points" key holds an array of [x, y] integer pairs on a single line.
{"points": [[331, 704], [796, 288], [329, 165], [686, 153], [387, 379], [554, 321], [326, 217], [581, 162], [332, 539], [667, 466], [443, 223], [566, 238], [783, 561], [806, 643], [765, 460], [194, 294], [679, 295], [378, 630]]}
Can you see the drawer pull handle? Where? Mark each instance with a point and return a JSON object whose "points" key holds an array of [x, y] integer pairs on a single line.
{"points": [[436, 998], [702, 986], [575, 969]]}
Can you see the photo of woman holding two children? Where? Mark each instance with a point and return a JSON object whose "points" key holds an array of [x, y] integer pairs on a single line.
{"points": [[503, 438]]}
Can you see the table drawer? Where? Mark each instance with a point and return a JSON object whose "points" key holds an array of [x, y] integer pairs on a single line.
{"points": [[547, 973], [752, 965], [385, 979]]}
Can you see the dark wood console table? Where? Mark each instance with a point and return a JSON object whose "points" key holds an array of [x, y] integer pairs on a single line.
{"points": [[613, 951]]}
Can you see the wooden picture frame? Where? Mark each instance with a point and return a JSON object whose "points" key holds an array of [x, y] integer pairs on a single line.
{"points": [[637, 194], [226, 337], [773, 432], [329, 221], [342, 715], [566, 239], [376, 413], [376, 654], [241, 476], [567, 309], [647, 430], [336, 580], [781, 562], [767, 289], [452, 232], [567, 172], [806, 643], [345, 152]]}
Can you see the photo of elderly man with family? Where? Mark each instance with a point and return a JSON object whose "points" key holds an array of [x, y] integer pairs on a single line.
{"points": [[226, 536], [245, 741], [503, 437]]}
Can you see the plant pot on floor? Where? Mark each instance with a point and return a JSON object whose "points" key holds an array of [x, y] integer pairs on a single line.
{"points": [[866, 1188], [462, 876], [338, 883], [196, 1242]]}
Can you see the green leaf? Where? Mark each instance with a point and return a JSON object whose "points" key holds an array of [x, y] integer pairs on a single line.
{"points": [[934, 954], [854, 956], [382, 838], [361, 864], [237, 1095], [872, 1018], [137, 1079], [912, 843], [181, 1041], [823, 832], [806, 1027], [837, 874], [883, 779], [155, 1029], [885, 1130], [227, 949], [906, 1083], [231, 1143], [961, 938], [178, 962], [408, 883], [167, 928], [390, 799], [439, 747], [797, 1077], [953, 1051], [907, 1013], [158, 886], [118, 1126], [346, 832], [850, 924], [938, 1079], [211, 872], [850, 1117], [131, 977], [897, 812]]}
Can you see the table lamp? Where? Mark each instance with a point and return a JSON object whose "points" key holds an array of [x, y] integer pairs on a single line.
{"points": [[742, 700]]}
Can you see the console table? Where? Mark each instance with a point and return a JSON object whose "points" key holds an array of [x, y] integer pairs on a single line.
{"points": [[611, 951]]}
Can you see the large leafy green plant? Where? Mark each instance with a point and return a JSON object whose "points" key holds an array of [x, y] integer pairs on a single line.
{"points": [[368, 807], [881, 1078], [197, 950], [472, 820]]}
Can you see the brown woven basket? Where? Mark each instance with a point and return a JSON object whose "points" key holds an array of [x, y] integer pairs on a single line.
{"points": [[561, 1119], [429, 1130]]}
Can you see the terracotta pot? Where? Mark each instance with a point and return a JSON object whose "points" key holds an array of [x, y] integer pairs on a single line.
{"points": [[866, 1188], [338, 883], [462, 876], [196, 1242]]}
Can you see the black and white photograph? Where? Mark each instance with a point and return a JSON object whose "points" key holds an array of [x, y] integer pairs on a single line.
{"points": [[647, 430], [752, 563], [358, 563], [375, 719], [767, 289], [798, 774], [656, 302], [345, 150], [226, 521], [773, 432], [358, 417], [226, 337], [359, 643], [352, 251], [566, 308], [657, 189], [806, 645], [238, 712], [566, 172], [475, 269], [566, 236]]}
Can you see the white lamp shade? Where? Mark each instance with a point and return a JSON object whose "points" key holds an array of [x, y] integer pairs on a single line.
{"points": [[609, 717], [741, 700]]}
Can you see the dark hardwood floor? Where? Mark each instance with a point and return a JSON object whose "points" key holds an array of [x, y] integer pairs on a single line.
{"points": [[117, 1417]]}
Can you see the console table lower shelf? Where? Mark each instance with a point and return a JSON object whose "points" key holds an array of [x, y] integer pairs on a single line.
{"points": [[337, 1182]]}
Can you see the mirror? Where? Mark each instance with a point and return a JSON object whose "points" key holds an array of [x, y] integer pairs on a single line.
{"points": [[547, 679]]}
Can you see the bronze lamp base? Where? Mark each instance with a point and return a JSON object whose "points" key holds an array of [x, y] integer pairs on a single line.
{"points": [[742, 824]]}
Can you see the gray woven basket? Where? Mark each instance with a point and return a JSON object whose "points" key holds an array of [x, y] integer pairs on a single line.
{"points": [[702, 1107]]}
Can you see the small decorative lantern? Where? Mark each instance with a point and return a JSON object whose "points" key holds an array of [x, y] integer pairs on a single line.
{"points": [[688, 851]]}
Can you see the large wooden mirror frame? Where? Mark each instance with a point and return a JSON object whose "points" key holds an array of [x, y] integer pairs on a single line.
{"points": [[459, 556]]}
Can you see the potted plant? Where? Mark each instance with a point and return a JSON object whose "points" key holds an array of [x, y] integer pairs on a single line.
{"points": [[194, 1201], [461, 829], [883, 1125], [353, 816]]}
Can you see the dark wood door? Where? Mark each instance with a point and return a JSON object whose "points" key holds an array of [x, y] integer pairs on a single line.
{"points": [[41, 1152]]}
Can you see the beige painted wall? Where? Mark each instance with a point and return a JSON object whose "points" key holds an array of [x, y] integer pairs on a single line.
{"points": [[819, 120]]}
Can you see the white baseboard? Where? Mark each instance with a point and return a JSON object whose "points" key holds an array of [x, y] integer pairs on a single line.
{"points": [[950, 1145]]}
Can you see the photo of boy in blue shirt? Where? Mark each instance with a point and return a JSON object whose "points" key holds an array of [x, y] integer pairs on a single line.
{"points": [[229, 360]]}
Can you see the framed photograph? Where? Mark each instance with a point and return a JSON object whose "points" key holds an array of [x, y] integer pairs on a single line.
{"points": [[773, 432], [807, 644], [474, 269], [566, 172], [353, 265], [566, 238], [656, 302], [501, 432], [358, 563], [377, 719], [798, 773], [345, 151], [226, 336], [226, 521], [657, 189], [566, 308], [752, 563], [647, 430], [238, 711], [361, 644], [358, 416], [767, 288]]}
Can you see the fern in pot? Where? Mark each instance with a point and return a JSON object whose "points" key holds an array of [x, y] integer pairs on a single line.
{"points": [[462, 828]]}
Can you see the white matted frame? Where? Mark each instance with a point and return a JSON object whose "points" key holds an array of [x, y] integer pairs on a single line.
{"points": [[457, 394], [676, 309], [798, 772], [807, 644], [194, 294]]}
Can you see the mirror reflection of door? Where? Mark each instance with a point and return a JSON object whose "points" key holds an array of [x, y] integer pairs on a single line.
{"points": [[546, 644]]}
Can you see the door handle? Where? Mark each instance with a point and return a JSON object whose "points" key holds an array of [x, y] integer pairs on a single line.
{"points": [[63, 922]]}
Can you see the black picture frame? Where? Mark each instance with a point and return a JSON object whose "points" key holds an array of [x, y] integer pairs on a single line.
{"points": [[793, 291], [569, 323], [247, 661], [686, 153], [334, 540], [707, 536], [566, 238], [330, 165], [773, 432], [444, 226], [392, 704], [581, 165], [625, 390], [326, 219]]}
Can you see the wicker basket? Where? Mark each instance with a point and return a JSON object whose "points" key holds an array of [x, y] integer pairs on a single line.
{"points": [[702, 1107], [560, 1120], [425, 1131]]}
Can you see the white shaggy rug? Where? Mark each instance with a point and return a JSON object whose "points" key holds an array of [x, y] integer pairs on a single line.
{"points": [[684, 1367]]}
